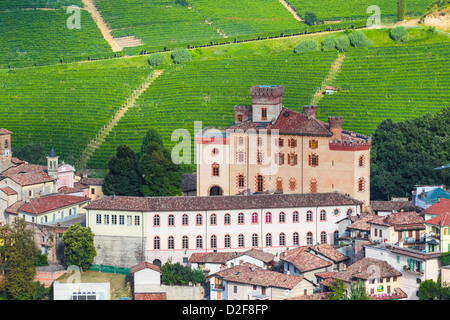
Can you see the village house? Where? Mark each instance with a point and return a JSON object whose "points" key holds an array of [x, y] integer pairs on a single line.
{"points": [[380, 278], [307, 261], [211, 262], [249, 282], [270, 148], [162, 228]]}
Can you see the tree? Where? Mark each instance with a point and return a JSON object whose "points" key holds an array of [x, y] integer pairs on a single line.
{"points": [[342, 43], [181, 55], [123, 177], [358, 291], [399, 33], [401, 10], [161, 176], [329, 43], [33, 153], [338, 290], [428, 290], [18, 256], [308, 45], [79, 246], [358, 39], [156, 59], [177, 274], [310, 18]]}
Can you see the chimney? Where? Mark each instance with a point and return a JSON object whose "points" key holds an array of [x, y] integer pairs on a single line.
{"points": [[310, 112], [336, 127]]}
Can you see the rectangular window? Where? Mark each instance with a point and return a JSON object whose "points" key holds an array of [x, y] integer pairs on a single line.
{"points": [[122, 220], [106, 218], [136, 220], [264, 114], [235, 289], [114, 219], [129, 220], [99, 218]]}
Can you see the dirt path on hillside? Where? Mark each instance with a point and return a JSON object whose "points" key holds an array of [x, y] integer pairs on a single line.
{"points": [[92, 9], [287, 6]]}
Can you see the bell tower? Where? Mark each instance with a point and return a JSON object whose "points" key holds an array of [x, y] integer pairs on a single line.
{"points": [[52, 165], [5, 149]]}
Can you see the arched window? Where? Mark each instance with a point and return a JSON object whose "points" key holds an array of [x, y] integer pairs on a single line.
{"points": [[170, 243], [254, 217], [268, 217], [199, 242], [292, 159], [185, 242], [213, 219], [215, 169], [282, 239], [361, 161], [156, 221], [213, 242], [309, 216], [323, 237], [295, 238], [199, 219], [361, 184], [323, 215], [6, 144], [156, 243], [171, 220], [241, 181], [282, 217], [254, 240], [185, 220], [292, 143], [241, 241], [313, 160], [227, 241], [227, 219], [241, 218], [279, 158], [292, 184], [260, 183], [295, 216], [268, 240], [309, 238], [313, 144]]}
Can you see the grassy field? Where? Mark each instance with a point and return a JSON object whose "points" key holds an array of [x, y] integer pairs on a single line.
{"points": [[64, 106], [41, 37]]}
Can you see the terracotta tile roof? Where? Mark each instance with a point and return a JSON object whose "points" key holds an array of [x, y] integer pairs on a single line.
{"points": [[325, 274], [150, 296], [250, 274], [23, 168], [314, 296], [259, 254], [401, 221], [77, 187], [14, 208], [397, 294], [222, 202], [416, 253], [363, 223], [289, 122], [441, 220], [212, 257], [4, 131], [366, 268], [329, 252], [51, 202], [8, 191], [304, 260], [439, 207], [144, 265], [91, 181], [392, 206]]}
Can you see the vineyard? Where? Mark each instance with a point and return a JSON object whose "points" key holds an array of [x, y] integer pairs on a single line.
{"points": [[390, 82], [63, 107], [26, 4], [25, 44], [332, 10], [207, 91]]}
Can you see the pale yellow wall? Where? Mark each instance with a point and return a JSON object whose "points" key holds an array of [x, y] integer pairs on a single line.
{"points": [[117, 229]]}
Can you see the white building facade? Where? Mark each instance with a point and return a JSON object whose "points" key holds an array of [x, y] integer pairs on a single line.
{"points": [[175, 227]]}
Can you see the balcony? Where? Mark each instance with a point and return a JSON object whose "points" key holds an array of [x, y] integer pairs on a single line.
{"points": [[434, 235]]}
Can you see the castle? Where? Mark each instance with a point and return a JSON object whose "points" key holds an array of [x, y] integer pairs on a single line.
{"points": [[272, 149]]}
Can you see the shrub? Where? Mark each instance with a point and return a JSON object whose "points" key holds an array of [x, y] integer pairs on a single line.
{"points": [[310, 18], [342, 43], [399, 33], [308, 45], [156, 59], [181, 55], [358, 39], [329, 43], [183, 3]]}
